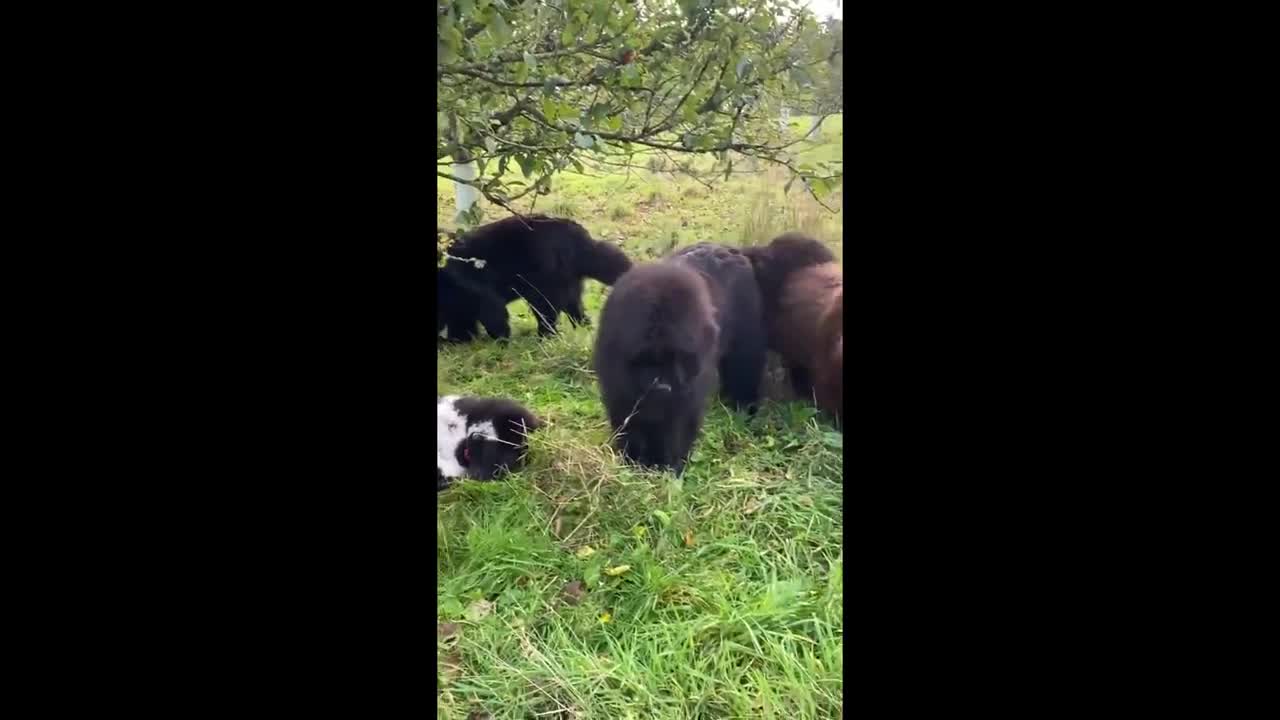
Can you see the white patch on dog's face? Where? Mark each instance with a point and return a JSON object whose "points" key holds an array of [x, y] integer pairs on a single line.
{"points": [[451, 431], [486, 429]]}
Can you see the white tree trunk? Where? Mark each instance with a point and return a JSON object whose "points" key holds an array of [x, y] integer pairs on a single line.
{"points": [[466, 195]]}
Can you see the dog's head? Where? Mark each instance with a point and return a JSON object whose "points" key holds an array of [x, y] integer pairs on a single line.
{"points": [[495, 439]]}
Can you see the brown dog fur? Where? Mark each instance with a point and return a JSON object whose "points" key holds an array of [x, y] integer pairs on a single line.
{"points": [[803, 289], [828, 377]]}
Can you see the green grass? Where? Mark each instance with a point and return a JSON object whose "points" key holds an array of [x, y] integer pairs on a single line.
{"points": [[731, 603]]}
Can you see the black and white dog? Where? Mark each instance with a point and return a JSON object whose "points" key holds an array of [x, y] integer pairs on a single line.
{"points": [[479, 437]]}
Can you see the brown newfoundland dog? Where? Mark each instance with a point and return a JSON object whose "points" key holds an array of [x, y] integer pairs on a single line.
{"points": [[803, 291]]}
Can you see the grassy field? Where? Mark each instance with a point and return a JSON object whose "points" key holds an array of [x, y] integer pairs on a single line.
{"points": [[584, 588]]}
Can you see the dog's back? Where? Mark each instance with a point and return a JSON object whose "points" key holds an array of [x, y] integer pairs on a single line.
{"points": [[796, 329], [783, 256], [733, 287], [540, 246]]}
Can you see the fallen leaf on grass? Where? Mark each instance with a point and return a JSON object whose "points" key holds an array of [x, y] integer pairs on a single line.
{"points": [[479, 610], [751, 506], [584, 552], [574, 592], [616, 571], [605, 617], [688, 538]]}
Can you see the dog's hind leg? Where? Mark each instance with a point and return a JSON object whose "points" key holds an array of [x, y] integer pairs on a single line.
{"points": [[741, 370], [573, 307], [546, 312], [493, 316], [462, 329], [801, 381]]}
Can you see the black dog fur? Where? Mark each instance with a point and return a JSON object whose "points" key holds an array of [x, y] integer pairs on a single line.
{"points": [[540, 259], [480, 437], [666, 331]]}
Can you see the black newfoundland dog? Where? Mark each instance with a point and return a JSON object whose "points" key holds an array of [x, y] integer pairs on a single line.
{"points": [[667, 331], [540, 259], [479, 437]]}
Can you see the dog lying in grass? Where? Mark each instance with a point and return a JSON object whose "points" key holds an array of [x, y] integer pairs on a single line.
{"points": [[479, 437]]}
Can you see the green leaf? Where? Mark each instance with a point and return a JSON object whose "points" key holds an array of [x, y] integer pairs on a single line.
{"points": [[526, 165], [569, 35], [551, 109], [821, 187], [451, 608], [499, 30], [613, 124], [624, 20], [569, 112], [530, 60], [592, 574], [522, 72], [466, 8], [663, 517], [490, 144], [444, 52], [578, 166]]}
